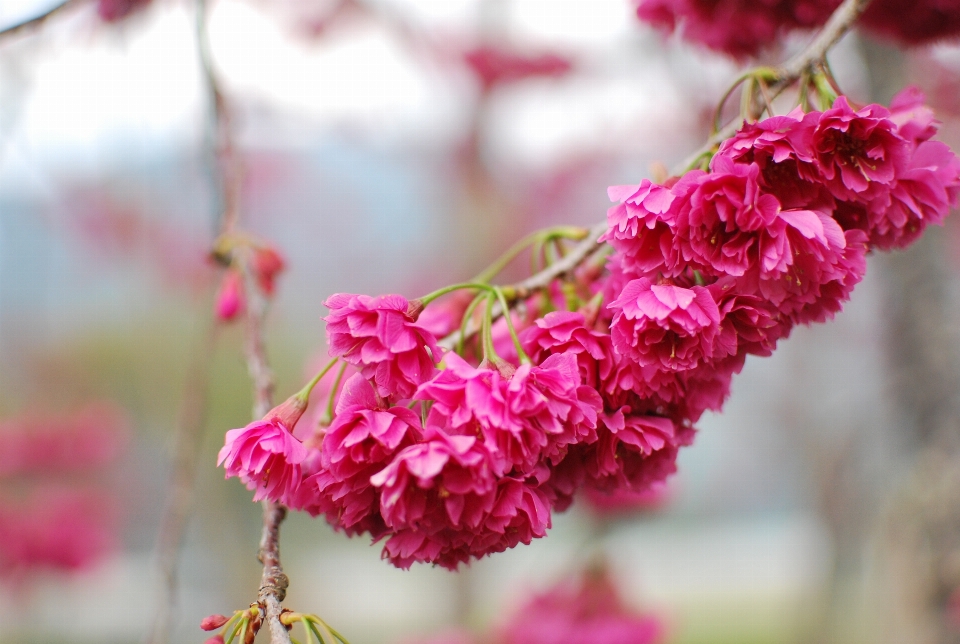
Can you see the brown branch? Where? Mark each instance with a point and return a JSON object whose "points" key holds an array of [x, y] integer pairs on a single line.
{"points": [[229, 170], [840, 22], [273, 583], [36, 21]]}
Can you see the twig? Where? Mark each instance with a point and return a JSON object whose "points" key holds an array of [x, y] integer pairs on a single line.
{"points": [[791, 71], [186, 448], [839, 24], [273, 583], [36, 21], [229, 171]]}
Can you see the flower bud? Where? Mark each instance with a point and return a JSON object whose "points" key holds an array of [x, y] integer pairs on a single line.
{"points": [[213, 622], [231, 300]]}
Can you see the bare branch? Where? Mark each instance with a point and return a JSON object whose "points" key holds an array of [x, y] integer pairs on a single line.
{"points": [[839, 24], [229, 170], [36, 21], [273, 583]]}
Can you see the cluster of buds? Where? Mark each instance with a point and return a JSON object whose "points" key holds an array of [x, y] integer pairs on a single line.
{"points": [[244, 625], [244, 257]]}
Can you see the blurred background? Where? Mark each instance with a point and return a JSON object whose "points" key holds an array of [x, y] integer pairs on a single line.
{"points": [[399, 146]]}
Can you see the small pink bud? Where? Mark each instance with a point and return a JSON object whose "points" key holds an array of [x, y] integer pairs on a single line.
{"points": [[288, 412], [216, 639], [213, 622], [267, 264], [414, 309], [231, 300]]}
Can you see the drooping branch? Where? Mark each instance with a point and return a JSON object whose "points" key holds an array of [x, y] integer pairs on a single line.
{"points": [[840, 22], [35, 21], [228, 166], [273, 583]]}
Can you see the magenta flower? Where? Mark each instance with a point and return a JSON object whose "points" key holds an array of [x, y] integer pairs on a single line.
{"points": [[566, 332], [914, 119], [443, 481], [379, 335], [231, 299], [265, 455], [669, 327], [923, 194], [750, 324], [520, 512], [859, 154], [495, 67], [529, 416], [641, 227], [362, 440], [782, 147], [726, 222]]}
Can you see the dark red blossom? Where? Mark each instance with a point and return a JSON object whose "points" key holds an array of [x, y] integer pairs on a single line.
{"points": [[858, 154]]}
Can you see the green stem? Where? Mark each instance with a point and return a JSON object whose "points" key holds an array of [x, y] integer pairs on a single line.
{"points": [[328, 414], [547, 234], [304, 394], [308, 630], [521, 354], [476, 284], [489, 353], [466, 320], [241, 625]]}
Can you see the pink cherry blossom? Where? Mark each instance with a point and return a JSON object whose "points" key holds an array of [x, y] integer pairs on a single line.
{"points": [[266, 456], [859, 154], [362, 440], [524, 418], [667, 326], [642, 226], [494, 67], [923, 194], [380, 336]]}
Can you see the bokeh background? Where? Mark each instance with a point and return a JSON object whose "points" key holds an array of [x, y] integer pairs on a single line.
{"points": [[822, 505]]}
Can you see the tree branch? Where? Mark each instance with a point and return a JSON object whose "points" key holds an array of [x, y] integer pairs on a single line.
{"points": [[36, 21], [229, 170], [273, 583], [840, 22]]}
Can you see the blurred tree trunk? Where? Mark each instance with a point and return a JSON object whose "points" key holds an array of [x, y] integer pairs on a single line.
{"points": [[918, 540]]}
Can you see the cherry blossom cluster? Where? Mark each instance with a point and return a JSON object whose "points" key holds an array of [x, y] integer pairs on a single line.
{"points": [[742, 28], [597, 380]]}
